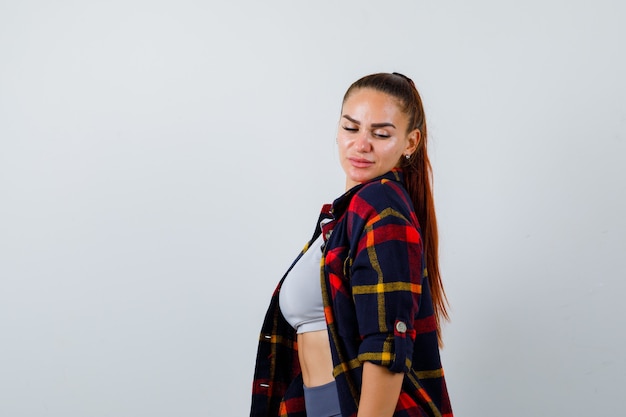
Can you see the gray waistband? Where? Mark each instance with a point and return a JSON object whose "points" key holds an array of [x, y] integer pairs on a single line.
{"points": [[322, 401]]}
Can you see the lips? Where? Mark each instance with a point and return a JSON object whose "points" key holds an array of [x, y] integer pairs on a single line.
{"points": [[360, 162]]}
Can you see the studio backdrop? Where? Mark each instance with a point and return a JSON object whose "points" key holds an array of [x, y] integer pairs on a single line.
{"points": [[162, 162]]}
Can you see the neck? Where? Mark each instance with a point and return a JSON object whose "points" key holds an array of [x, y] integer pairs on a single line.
{"points": [[350, 184]]}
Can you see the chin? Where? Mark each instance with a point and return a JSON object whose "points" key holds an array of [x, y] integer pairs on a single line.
{"points": [[361, 179]]}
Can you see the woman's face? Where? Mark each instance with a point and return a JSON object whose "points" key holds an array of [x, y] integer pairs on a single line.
{"points": [[372, 135]]}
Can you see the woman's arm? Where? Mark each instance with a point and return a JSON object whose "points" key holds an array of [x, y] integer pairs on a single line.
{"points": [[380, 391], [385, 280]]}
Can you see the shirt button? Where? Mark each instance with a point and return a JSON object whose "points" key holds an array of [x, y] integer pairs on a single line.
{"points": [[401, 327]]}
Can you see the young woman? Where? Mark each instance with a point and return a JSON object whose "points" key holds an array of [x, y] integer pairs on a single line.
{"points": [[353, 327]]}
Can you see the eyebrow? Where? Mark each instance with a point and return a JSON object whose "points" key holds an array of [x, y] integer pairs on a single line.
{"points": [[374, 125]]}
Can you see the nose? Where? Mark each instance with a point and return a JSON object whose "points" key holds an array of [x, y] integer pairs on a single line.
{"points": [[362, 142]]}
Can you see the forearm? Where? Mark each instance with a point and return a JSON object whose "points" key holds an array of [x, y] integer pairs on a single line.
{"points": [[380, 391]]}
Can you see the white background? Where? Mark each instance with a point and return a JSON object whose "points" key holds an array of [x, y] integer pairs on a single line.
{"points": [[162, 162]]}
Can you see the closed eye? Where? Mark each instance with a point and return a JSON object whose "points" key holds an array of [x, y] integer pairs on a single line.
{"points": [[381, 134], [350, 129]]}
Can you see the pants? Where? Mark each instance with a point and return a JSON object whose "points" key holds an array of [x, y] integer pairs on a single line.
{"points": [[322, 401]]}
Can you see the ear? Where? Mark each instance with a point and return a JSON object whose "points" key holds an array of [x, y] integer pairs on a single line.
{"points": [[413, 140]]}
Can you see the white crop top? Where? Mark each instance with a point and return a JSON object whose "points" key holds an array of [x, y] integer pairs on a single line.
{"points": [[300, 296]]}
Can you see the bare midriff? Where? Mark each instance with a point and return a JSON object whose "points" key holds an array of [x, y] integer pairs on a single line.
{"points": [[315, 360]]}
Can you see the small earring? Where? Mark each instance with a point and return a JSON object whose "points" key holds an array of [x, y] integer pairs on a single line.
{"points": [[407, 156]]}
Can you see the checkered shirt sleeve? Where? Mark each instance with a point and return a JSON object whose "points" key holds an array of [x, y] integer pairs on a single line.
{"points": [[386, 274]]}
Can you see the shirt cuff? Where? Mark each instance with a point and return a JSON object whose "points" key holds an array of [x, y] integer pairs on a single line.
{"points": [[391, 350]]}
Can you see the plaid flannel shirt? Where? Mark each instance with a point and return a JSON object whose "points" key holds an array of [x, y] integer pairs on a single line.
{"points": [[377, 305]]}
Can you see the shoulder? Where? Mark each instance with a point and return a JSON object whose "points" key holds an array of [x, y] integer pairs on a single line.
{"points": [[381, 194]]}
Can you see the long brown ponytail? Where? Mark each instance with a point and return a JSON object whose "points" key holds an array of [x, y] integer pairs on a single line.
{"points": [[418, 177]]}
